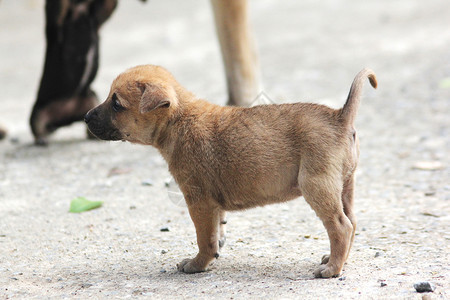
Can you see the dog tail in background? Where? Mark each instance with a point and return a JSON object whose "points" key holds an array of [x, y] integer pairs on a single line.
{"points": [[350, 108]]}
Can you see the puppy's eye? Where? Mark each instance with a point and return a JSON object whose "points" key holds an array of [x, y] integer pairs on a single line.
{"points": [[116, 104]]}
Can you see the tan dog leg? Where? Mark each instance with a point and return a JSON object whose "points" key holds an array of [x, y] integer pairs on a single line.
{"points": [[206, 220], [347, 201], [238, 51], [324, 196]]}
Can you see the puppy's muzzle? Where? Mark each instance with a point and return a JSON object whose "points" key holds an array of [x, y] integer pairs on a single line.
{"points": [[101, 126]]}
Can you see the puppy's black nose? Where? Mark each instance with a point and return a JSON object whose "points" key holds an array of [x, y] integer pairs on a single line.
{"points": [[87, 117]]}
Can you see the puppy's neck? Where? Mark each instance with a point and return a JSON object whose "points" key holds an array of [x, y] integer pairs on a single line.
{"points": [[192, 120], [163, 127]]}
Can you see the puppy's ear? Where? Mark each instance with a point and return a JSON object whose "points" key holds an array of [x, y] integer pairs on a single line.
{"points": [[154, 96]]}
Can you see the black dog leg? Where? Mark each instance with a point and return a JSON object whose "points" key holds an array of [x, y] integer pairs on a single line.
{"points": [[71, 63]]}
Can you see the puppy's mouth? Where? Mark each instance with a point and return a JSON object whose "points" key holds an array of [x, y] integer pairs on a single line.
{"points": [[100, 128], [107, 135]]}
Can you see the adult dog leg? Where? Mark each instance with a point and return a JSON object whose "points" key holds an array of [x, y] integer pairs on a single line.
{"points": [[238, 51], [71, 63]]}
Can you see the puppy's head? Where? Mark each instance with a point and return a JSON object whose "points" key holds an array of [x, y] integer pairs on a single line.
{"points": [[140, 101]]}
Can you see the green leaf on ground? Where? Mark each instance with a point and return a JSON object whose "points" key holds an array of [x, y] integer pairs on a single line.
{"points": [[82, 204]]}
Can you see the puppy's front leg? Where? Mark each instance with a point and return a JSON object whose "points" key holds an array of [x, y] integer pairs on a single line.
{"points": [[206, 219], [223, 229]]}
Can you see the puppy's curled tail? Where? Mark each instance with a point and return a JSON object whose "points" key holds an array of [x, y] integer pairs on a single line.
{"points": [[348, 112]]}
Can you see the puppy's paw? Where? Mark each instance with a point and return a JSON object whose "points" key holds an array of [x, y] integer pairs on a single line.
{"points": [[189, 266], [326, 271]]}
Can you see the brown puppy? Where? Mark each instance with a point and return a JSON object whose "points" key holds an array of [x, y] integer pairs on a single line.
{"points": [[232, 158]]}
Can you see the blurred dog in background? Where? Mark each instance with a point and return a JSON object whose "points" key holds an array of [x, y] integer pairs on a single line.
{"points": [[72, 54]]}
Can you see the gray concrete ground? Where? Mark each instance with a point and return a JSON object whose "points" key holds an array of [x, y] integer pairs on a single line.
{"points": [[309, 51]]}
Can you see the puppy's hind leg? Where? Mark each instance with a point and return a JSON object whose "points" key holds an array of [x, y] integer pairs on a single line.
{"points": [[206, 220], [324, 196], [347, 201]]}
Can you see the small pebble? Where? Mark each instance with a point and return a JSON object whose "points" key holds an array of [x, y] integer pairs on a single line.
{"points": [[167, 182], [164, 251], [342, 278], [164, 229], [430, 215], [162, 271], [425, 286], [433, 165], [147, 182], [383, 284], [14, 140], [119, 171], [377, 254]]}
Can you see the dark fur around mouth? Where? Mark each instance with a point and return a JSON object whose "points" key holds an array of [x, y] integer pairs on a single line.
{"points": [[107, 135]]}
